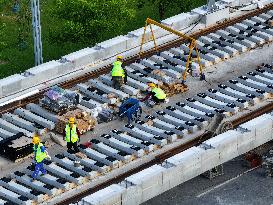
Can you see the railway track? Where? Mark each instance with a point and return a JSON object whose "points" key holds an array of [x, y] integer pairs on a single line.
{"points": [[250, 34], [146, 54], [120, 147]]}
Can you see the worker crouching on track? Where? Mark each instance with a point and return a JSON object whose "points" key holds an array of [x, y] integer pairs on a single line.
{"points": [[72, 136], [156, 94], [40, 154], [119, 75]]}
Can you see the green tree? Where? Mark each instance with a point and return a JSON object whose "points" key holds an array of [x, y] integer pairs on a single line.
{"points": [[187, 5], [2, 31], [164, 6], [92, 20], [23, 18]]}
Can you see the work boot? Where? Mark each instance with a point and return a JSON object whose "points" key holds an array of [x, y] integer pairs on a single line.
{"points": [[42, 174], [70, 151]]}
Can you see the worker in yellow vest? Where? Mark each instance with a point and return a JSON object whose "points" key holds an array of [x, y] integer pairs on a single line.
{"points": [[119, 75], [72, 136], [155, 93], [40, 154]]}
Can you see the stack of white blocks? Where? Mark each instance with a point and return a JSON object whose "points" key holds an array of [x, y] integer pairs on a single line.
{"points": [[261, 128], [186, 165], [111, 195], [226, 144], [149, 180]]}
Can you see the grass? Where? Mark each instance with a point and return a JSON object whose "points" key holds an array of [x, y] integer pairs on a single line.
{"points": [[15, 60]]}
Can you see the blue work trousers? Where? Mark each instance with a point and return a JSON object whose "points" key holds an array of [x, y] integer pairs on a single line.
{"points": [[38, 167]]}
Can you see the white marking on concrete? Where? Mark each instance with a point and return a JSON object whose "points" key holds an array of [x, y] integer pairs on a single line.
{"points": [[226, 182]]}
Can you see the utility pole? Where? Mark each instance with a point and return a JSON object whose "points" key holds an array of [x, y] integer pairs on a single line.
{"points": [[36, 26]]}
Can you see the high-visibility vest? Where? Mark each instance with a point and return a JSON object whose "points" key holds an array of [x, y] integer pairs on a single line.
{"points": [[159, 93], [39, 155], [117, 69], [71, 134]]}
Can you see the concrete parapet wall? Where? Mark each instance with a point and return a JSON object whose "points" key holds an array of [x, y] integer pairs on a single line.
{"points": [[234, 3], [226, 144], [149, 180], [109, 196], [37, 74], [83, 57], [262, 128], [132, 195], [11, 84], [245, 141], [112, 46], [181, 21], [264, 2]]}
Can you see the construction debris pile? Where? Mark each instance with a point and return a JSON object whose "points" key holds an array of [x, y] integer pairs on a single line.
{"points": [[84, 121], [174, 88], [59, 100], [16, 147], [159, 73]]}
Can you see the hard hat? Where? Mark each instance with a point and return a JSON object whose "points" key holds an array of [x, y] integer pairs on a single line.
{"points": [[152, 85], [71, 120], [35, 139], [119, 57]]}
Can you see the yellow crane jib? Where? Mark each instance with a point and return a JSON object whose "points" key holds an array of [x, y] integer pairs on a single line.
{"points": [[192, 45]]}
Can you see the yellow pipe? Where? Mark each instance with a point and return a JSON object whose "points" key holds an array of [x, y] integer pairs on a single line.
{"points": [[167, 28]]}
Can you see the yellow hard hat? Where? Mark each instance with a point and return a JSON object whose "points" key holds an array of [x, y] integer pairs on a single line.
{"points": [[152, 85], [119, 57], [71, 120], [35, 139]]}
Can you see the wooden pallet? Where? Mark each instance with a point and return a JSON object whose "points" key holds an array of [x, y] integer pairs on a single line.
{"points": [[23, 158]]}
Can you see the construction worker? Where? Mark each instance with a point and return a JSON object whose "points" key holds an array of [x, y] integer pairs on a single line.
{"points": [[40, 154], [72, 136], [155, 93], [119, 75]]}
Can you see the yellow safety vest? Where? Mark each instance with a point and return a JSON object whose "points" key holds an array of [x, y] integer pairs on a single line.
{"points": [[39, 155], [159, 93], [117, 69], [73, 136]]}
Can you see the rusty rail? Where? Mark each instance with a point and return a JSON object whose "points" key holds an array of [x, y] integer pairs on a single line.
{"points": [[265, 109]]}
